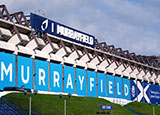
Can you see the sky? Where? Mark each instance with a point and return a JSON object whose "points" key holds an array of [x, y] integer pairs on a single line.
{"points": [[132, 25]]}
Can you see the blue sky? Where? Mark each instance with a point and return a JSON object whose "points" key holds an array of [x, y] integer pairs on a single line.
{"points": [[133, 25]]}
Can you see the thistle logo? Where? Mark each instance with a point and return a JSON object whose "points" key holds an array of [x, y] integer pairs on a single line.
{"points": [[44, 25], [133, 91]]}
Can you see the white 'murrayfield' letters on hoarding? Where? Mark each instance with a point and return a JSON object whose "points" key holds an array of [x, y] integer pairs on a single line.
{"points": [[118, 81], [101, 85], [110, 86], [91, 78], [81, 81], [25, 72], [41, 75], [126, 89], [7, 70], [69, 79], [56, 77]]}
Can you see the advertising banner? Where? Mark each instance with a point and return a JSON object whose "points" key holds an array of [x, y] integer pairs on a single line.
{"points": [[110, 86], [126, 89], [91, 78], [25, 72], [69, 79], [154, 94], [7, 70], [55, 77], [41, 75], [101, 85], [81, 81]]}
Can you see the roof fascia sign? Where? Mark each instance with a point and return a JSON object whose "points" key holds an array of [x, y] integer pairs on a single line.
{"points": [[54, 28]]}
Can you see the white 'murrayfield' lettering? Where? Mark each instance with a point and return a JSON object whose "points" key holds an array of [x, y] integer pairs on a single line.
{"points": [[25, 81], [69, 81], [110, 87], [9, 70], [42, 76], [91, 83], [81, 81], [67, 32], [56, 78]]}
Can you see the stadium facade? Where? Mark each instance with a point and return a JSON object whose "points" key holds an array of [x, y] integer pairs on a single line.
{"points": [[41, 54]]}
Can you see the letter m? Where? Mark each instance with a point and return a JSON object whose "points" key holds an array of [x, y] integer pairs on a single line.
{"points": [[6, 71]]}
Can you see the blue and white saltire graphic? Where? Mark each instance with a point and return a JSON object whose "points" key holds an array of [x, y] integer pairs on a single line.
{"points": [[146, 97], [91, 78], [101, 85], [41, 75], [140, 91], [126, 89], [110, 86], [69, 79], [118, 81], [81, 81], [154, 94], [25, 72], [56, 77], [133, 90], [7, 70]]}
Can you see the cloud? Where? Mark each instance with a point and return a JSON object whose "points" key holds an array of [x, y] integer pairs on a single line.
{"points": [[130, 24]]}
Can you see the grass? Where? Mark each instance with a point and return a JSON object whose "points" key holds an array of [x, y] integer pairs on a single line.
{"points": [[53, 105], [145, 108]]}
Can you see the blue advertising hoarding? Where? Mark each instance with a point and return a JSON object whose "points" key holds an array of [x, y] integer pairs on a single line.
{"points": [[118, 84], [110, 86], [45, 25], [55, 77], [25, 72], [154, 94], [91, 78], [7, 70], [69, 79], [126, 89], [41, 75], [101, 84], [81, 81], [133, 91]]}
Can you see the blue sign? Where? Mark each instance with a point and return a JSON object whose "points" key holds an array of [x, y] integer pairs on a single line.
{"points": [[69, 79], [7, 70], [81, 81], [56, 77], [110, 86], [60, 30], [91, 78], [118, 81], [154, 94], [25, 72], [101, 85], [126, 89], [133, 90], [41, 75], [106, 107]]}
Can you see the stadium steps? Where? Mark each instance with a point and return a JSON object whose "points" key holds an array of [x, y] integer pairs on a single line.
{"points": [[133, 111], [8, 107]]}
